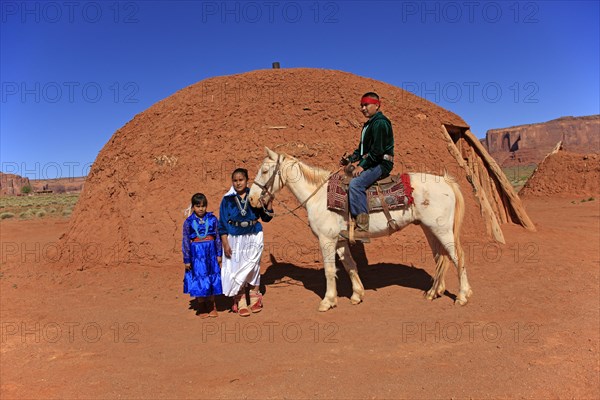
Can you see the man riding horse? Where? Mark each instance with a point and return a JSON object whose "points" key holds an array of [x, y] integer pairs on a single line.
{"points": [[375, 157]]}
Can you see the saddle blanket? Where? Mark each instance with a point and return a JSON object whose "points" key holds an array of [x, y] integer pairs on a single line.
{"points": [[396, 194]]}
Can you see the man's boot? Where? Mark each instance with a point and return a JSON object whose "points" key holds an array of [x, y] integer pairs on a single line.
{"points": [[361, 233], [362, 223]]}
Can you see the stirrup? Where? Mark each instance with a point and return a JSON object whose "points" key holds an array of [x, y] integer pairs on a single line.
{"points": [[344, 234], [256, 303]]}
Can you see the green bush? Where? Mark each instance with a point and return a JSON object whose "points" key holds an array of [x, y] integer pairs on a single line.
{"points": [[26, 189], [28, 207], [6, 215]]}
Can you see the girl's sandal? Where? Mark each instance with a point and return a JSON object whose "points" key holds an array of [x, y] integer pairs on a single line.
{"points": [[213, 312], [242, 306], [244, 312], [256, 303]]}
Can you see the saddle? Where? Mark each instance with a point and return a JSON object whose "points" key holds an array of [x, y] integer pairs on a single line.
{"points": [[389, 193]]}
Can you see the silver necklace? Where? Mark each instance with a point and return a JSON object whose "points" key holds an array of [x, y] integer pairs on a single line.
{"points": [[239, 205]]}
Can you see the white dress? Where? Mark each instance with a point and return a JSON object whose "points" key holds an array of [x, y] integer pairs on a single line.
{"points": [[244, 265]]}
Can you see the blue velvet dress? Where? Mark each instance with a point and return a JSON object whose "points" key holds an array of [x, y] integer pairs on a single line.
{"points": [[204, 277]]}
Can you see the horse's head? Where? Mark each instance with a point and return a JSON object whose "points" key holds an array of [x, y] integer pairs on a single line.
{"points": [[268, 180]]}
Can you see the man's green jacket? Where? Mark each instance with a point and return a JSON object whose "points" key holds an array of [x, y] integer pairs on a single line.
{"points": [[377, 140]]}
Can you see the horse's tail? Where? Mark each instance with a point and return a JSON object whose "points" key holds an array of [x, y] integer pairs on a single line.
{"points": [[459, 213]]}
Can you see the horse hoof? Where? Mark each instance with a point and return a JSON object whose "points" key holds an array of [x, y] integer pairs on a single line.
{"points": [[325, 306], [356, 299], [460, 302], [430, 295]]}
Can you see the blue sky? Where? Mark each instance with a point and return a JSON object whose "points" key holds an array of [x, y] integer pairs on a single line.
{"points": [[74, 72]]}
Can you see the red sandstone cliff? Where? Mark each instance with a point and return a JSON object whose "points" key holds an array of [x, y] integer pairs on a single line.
{"points": [[11, 184], [59, 185], [530, 143]]}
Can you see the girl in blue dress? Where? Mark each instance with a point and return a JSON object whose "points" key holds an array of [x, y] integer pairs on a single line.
{"points": [[242, 237], [201, 248]]}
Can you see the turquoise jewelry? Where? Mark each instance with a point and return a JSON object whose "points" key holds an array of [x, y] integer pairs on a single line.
{"points": [[195, 227]]}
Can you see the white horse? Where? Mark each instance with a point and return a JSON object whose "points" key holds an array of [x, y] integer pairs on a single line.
{"points": [[438, 208]]}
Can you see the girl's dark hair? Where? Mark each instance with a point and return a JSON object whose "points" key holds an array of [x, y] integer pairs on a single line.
{"points": [[242, 171], [199, 199]]}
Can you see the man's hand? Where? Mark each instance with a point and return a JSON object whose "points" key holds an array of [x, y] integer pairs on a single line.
{"points": [[357, 171], [344, 160]]}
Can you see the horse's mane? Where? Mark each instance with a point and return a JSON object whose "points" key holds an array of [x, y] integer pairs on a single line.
{"points": [[313, 175]]}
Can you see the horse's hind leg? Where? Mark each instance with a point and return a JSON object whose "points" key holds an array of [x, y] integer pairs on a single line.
{"points": [[439, 285], [465, 290], [358, 290], [456, 254]]}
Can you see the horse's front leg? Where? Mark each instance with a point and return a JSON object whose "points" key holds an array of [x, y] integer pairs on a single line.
{"points": [[328, 250], [358, 290]]}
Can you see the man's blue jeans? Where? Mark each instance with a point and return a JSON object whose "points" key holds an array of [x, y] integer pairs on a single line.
{"points": [[358, 190]]}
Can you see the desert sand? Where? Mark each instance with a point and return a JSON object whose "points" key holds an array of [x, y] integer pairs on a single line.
{"points": [[529, 331]]}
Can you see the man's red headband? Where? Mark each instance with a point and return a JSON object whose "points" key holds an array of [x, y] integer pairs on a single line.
{"points": [[369, 100]]}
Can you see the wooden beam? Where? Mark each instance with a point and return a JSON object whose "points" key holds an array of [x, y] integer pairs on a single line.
{"points": [[488, 215], [513, 200]]}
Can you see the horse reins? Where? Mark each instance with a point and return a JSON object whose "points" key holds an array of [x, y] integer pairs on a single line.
{"points": [[270, 184]]}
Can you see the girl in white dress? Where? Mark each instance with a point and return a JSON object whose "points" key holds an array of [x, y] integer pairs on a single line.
{"points": [[242, 237]]}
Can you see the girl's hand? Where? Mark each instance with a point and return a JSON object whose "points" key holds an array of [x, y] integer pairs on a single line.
{"points": [[219, 260], [227, 250], [188, 267]]}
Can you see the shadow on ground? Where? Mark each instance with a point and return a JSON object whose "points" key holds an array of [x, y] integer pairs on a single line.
{"points": [[373, 277]]}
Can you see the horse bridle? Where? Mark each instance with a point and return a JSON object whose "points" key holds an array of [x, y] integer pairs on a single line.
{"points": [[268, 186]]}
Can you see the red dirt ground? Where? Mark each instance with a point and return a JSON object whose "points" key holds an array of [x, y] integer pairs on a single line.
{"points": [[529, 331]]}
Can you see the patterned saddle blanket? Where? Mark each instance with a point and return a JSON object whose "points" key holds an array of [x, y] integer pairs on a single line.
{"points": [[396, 194]]}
